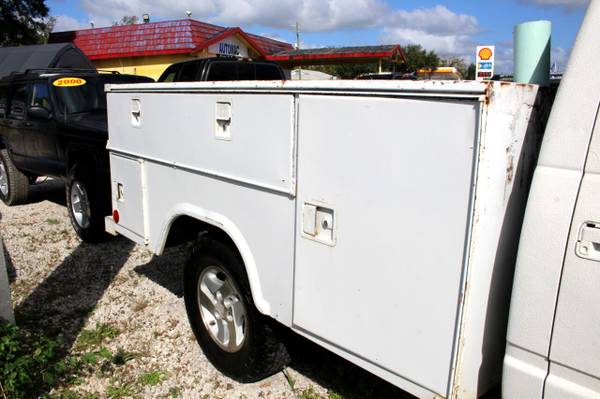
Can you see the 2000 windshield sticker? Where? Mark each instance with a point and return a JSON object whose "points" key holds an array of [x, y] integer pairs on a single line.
{"points": [[69, 82]]}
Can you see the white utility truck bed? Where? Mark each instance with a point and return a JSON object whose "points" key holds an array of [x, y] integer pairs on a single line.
{"points": [[379, 219]]}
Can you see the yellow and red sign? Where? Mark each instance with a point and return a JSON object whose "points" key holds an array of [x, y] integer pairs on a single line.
{"points": [[69, 82], [484, 62]]}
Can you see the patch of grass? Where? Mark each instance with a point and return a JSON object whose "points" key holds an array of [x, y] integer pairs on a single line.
{"points": [[29, 363], [121, 357], [117, 391], [309, 393], [152, 378], [334, 395], [52, 221], [94, 337], [174, 392], [69, 394]]}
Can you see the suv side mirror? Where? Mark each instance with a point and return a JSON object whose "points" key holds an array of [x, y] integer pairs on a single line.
{"points": [[38, 112]]}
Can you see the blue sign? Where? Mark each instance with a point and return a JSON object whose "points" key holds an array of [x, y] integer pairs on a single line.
{"points": [[486, 65], [229, 49]]}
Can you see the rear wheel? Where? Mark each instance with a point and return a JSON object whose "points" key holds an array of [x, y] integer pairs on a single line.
{"points": [[14, 185], [235, 337], [85, 204]]}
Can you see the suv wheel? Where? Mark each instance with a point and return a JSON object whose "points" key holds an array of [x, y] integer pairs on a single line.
{"points": [[14, 185], [85, 205]]}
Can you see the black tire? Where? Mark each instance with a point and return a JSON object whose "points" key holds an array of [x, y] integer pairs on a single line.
{"points": [[14, 185], [86, 204], [261, 353]]}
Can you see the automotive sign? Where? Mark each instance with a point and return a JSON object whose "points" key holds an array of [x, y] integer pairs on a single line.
{"points": [[69, 82], [484, 61], [232, 46]]}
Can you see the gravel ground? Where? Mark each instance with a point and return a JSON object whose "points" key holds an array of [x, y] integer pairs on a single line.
{"points": [[119, 296]]}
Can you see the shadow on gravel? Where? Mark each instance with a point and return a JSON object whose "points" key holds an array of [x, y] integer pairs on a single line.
{"points": [[52, 190], [167, 270], [335, 373], [59, 307]]}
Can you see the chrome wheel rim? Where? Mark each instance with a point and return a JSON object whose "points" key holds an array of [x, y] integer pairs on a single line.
{"points": [[3, 180], [80, 206], [222, 309]]}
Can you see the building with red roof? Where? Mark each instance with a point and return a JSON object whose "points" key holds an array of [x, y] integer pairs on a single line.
{"points": [[149, 48]]}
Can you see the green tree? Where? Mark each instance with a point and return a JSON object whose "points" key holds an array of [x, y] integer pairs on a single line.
{"points": [[22, 22], [126, 20], [417, 57], [457, 63], [471, 72]]}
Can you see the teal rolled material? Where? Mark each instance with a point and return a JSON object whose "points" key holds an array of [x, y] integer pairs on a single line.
{"points": [[532, 44]]}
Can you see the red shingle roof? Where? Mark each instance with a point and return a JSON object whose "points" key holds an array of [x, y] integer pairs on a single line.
{"points": [[169, 37]]}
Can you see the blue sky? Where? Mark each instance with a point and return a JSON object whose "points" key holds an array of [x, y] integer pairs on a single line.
{"points": [[451, 28]]}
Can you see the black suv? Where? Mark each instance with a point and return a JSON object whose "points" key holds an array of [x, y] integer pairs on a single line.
{"points": [[221, 68], [53, 123]]}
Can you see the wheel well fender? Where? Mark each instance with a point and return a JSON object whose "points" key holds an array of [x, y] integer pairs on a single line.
{"points": [[185, 221]]}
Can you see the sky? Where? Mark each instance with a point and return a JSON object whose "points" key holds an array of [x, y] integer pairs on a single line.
{"points": [[452, 28]]}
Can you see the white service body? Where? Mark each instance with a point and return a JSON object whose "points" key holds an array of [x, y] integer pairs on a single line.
{"points": [[379, 219]]}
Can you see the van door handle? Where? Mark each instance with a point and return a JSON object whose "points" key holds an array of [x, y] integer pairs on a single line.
{"points": [[28, 124], [588, 241]]}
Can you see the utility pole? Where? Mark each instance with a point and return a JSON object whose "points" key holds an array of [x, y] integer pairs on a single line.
{"points": [[298, 47]]}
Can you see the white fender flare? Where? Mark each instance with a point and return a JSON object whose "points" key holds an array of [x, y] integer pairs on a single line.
{"points": [[229, 228]]}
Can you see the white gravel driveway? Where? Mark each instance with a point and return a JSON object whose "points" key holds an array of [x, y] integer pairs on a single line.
{"points": [[67, 289]]}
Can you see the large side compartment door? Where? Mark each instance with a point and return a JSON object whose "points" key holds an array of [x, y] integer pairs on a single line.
{"points": [[575, 347], [384, 186]]}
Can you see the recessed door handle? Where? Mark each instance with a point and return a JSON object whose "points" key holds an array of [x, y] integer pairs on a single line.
{"points": [[588, 241]]}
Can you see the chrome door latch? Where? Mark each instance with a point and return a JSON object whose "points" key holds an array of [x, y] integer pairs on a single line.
{"points": [[588, 241]]}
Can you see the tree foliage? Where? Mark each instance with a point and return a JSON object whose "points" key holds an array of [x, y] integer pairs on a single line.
{"points": [[126, 20], [417, 57], [22, 22]]}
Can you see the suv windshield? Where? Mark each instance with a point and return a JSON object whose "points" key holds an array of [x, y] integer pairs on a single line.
{"points": [[77, 95]]}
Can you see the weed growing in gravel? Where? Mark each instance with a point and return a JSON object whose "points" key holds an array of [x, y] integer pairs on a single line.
{"points": [[174, 392], [30, 363], [119, 390], [91, 338], [152, 378], [309, 393], [52, 221], [122, 357]]}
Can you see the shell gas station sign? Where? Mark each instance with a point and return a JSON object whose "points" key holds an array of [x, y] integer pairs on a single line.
{"points": [[484, 62]]}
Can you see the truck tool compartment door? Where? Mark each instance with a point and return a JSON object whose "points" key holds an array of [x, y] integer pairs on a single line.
{"points": [[383, 212], [575, 346]]}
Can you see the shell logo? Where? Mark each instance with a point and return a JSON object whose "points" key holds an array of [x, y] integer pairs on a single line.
{"points": [[485, 53], [69, 82]]}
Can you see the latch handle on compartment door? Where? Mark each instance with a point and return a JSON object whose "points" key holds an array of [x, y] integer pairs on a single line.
{"points": [[588, 241], [318, 223]]}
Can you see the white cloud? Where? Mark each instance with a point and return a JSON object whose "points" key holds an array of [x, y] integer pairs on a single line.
{"points": [[437, 20], [313, 15], [439, 29], [560, 57], [505, 62], [64, 22]]}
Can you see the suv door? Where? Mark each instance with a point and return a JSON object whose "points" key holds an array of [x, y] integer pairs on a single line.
{"points": [[40, 133], [15, 122]]}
